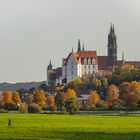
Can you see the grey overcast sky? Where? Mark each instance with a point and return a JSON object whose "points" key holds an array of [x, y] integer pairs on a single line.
{"points": [[34, 31]]}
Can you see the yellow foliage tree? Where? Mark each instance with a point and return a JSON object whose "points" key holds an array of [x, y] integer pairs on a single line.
{"points": [[70, 94], [7, 97], [39, 97], [93, 99], [16, 99]]}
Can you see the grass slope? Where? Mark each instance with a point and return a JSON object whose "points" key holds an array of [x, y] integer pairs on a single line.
{"points": [[69, 127]]}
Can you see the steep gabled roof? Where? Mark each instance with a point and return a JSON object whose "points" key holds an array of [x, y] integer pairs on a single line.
{"points": [[82, 55]]}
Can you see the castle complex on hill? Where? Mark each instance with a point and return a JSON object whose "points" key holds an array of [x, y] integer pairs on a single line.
{"points": [[84, 62]]}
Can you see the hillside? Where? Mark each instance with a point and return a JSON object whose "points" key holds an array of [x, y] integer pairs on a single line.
{"points": [[13, 87]]}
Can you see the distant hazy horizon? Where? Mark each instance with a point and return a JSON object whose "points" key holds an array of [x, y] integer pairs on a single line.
{"points": [[34, 31]]}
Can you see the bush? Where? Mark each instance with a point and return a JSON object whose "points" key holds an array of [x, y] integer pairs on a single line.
{"points": [[23, 109], [102, 104], [52, 109], [63, 110], [71, 105], [3, 111], [10, 106], [34, 108], [45, 108]]}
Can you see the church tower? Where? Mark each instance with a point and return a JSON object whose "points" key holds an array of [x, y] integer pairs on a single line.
{"points": [[112, 47]]}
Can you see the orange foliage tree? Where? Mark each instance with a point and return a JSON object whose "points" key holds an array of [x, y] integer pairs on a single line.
{"points": [[39, 97], [50, 101], [93, 99], [70, 94], [127, 87], [7, 97], [112, 94]]}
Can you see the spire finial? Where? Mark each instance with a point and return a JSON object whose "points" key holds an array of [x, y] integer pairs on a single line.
{"points": [[83, 49], [79, 45], [111, 27], [50, 62], [50, 66], [123, 59], [72, 50]]}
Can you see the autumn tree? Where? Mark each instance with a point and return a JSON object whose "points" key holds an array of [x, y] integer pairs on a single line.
{"points": [[8, 101], [7, 97], [50, 101], [97, 84], [112, 95], [84, 78], [16, 99], [131, 99], [127, 87], [39, 97], [70, 94], [104, 85], [93, 99], [1, 99]]}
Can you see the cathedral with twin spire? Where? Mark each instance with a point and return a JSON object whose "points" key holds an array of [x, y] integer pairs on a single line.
{"points": [[85, 62]]}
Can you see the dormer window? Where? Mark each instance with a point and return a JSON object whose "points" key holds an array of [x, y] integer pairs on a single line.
{"points": [[93, 61], [85, 61], [89, 61]]}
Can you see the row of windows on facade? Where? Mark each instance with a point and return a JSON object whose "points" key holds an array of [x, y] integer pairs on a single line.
{"points": [[87, 67], [85, 72], [87, 61]]}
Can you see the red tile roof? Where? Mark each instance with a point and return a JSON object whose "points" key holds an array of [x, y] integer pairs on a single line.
{"points": [[102, 62], [87, 54], [82, 55]]}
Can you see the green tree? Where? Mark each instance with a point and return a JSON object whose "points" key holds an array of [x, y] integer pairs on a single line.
{"points": [[60, 99], [71, 105]]}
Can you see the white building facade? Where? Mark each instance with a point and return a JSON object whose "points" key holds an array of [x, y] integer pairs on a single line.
{"points": [[78, 64]]}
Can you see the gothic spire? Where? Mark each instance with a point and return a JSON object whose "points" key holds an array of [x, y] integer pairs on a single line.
{"points": [[72, 50], [50, 66], [79, 46], [123, 59], [111, 27], [83, 49]]}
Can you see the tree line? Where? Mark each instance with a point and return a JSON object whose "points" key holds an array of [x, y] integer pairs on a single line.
{"points": [[118, 90]]}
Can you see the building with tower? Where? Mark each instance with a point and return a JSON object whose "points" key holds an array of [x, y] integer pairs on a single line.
{"points": [[87, 62]]}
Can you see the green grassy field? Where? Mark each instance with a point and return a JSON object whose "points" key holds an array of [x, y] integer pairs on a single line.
{"points": [[69, 127]]}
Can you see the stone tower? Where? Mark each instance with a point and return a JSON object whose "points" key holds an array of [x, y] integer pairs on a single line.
{"points": [[112, 47], [49, 71]]}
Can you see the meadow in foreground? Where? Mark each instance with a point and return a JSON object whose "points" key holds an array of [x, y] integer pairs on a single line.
{"points": [[69, 127]]}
